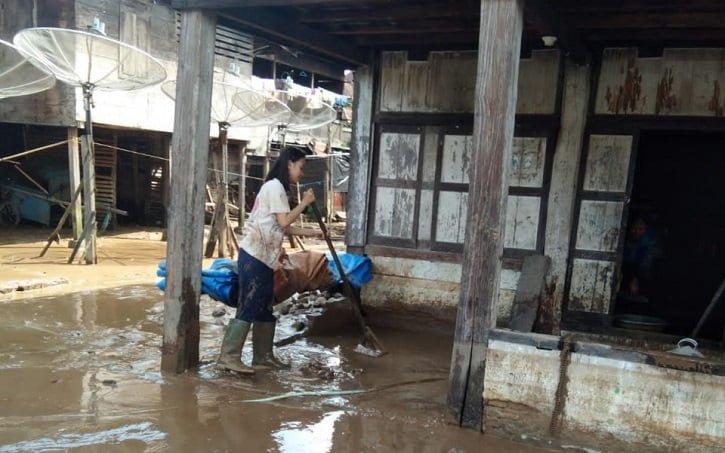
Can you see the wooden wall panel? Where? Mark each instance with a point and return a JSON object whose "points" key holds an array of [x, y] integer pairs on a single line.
{"points": [[394, 212], [538, 81], [399, 154], [527, 162], [452, 215], [392, 77], [680, 82], [416, 81], [425, 221], [522, 222], [599, 225], [456, 158], [608, 163], [591, 285], [446, 82]]}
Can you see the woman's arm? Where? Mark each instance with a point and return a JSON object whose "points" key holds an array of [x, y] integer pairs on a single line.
{"points": [[285, 219]]}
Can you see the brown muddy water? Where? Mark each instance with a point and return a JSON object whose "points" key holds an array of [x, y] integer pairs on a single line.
{"points": [[80, 372]]}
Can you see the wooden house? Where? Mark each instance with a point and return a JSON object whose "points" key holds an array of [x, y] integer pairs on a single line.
{"points": [[487, 132], [132, 128]]}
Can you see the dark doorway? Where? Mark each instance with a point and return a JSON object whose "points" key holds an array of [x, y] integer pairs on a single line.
{"points": [[678, 202]]}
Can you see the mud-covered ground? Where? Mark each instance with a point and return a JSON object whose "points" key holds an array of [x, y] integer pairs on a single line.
{"points": [[79, 371]]}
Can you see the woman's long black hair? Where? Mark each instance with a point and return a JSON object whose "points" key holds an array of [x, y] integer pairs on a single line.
{"points": [[280, 169]]}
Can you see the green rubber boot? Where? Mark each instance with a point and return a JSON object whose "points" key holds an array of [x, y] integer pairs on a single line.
{"points": [[262, 342], [230, 357]]}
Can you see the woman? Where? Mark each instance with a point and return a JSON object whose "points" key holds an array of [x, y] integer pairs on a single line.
{"points": [[259, 253]]}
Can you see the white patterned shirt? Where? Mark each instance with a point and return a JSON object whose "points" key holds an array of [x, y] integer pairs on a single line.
{"points": [[262, 234]]}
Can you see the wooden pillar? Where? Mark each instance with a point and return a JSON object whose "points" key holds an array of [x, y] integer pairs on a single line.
{"points": [[89, 199], [166, 177], [74, 171], [493, 130], [562, 193], [360, 159], [242, 186], [190, 148]]}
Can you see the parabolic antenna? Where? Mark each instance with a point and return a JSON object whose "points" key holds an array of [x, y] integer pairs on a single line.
{"points": [[80, 58], [238, 105], [308, 111], [91, 62], [18, 76]]}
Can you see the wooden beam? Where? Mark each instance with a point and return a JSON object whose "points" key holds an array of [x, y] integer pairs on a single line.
{"points": [[639, 6], [493, 130], [391, 13], [543, 15], [652, 20], [672, 35], [422, 41], [562, 191], [360, 157], [431, 29], [286, 30], [190, 148], [221, 4], [307, 63]]}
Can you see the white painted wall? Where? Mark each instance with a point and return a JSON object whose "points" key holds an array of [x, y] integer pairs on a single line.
{"points": [[612, 400]]}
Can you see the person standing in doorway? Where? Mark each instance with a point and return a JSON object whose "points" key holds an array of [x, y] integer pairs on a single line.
{"points": [[260, 253]]}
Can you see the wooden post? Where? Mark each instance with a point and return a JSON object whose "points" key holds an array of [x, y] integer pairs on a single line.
{"points": [[74, 171], [89, 199], [562, 193], [190, 147], [242, 187], [360, 159], [166, 180], [493, 130], [222, 226]]}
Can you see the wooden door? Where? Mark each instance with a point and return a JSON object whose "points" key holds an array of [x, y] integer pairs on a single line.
{"points": [[599, 225]]}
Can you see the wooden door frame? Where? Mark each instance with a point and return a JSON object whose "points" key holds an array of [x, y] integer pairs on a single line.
{"points": [[635, 126]]}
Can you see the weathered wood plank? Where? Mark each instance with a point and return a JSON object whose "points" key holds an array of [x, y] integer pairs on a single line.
{"points": [[456, 159], [607, 163], [495, 110], [562, 191], [538, 81], [685, 82], [529, 292], [416, 81], [430, 155], [591, 285], [451, 218], [399, 154], [392, 70], [394, 212], [74, 173], [190, 147], [360, 158], [599, 225], [522, 222], [527, 162]]}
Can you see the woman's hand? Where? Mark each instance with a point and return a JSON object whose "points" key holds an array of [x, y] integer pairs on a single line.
{"points": [[308, 197]]}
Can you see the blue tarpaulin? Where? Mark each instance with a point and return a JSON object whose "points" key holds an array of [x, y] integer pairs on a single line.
{"points": [[221, 282]]}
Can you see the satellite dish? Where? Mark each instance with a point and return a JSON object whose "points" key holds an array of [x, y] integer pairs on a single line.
{"points": [[18, 76], [80, 58], [89, 61], [308, 112], [234, 104]]}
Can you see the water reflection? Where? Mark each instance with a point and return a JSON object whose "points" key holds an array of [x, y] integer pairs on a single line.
{"points": [[296, 437], [143, 432]]}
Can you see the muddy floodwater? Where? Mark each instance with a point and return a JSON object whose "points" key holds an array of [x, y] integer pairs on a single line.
{"points": [[80, 372]]}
